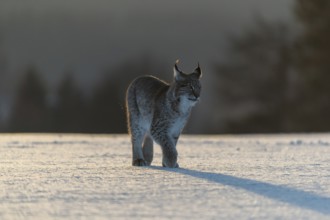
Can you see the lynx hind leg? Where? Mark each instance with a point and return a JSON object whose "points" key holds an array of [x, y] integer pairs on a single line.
{"points": [[137, 135], [134, 129], [137, 139], [148, 149]]}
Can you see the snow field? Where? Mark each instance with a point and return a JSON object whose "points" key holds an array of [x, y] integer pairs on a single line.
{"points": [[49, 176]]}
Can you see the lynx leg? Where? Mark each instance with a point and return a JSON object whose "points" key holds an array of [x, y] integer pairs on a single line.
{"points": [[170, 154], [137, 137], [137, 134], [148, 149], [170, 157]]}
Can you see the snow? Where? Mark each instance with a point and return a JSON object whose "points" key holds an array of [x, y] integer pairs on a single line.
{"points": [[50, 176]]}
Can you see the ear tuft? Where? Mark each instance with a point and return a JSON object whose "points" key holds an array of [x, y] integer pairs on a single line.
{"points": [[177, 73], [176, 65], [198, 72]]}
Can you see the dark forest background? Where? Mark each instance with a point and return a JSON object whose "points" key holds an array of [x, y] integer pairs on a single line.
{"points": [[273, 78]]}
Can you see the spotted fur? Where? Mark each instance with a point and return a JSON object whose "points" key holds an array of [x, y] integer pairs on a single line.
{"points": [[158, 111]]}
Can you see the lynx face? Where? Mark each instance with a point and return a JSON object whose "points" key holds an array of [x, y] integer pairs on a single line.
{"points": [[190, 89], [188, 86]]}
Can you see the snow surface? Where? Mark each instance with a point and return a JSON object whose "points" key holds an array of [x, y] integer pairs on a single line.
{"points": [[221, 177]]}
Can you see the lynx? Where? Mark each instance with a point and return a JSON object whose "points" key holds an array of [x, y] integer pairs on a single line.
{"points": [[158, 111]]}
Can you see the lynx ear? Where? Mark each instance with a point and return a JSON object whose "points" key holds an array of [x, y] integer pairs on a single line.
{"points": [[198, 72], [178, 74]]}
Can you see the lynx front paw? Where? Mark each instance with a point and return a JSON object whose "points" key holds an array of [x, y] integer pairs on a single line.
{"points": [[140, 163], [170, 159], [171, 166]]}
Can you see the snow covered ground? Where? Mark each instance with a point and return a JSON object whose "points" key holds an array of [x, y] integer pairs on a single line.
{"points": [[221, 177]]}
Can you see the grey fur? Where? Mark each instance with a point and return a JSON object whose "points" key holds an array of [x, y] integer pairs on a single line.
{"points": [[157, 111]]}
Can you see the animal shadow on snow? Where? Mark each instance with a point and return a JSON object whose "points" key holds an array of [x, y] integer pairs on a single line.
{"points": [[292, 196]]}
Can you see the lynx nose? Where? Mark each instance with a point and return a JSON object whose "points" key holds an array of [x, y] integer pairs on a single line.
{"points": [[195, 97], [195, 92]]}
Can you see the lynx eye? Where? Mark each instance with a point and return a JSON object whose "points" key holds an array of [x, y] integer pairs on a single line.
{"points": [[192, 88]]}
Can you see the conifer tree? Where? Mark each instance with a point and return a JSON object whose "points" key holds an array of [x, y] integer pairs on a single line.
{"points": [[312, 57], [29, 112], [254, 80], [69, 111]]}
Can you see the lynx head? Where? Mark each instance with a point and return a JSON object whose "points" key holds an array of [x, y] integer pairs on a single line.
{"points": [[187, 86]]}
